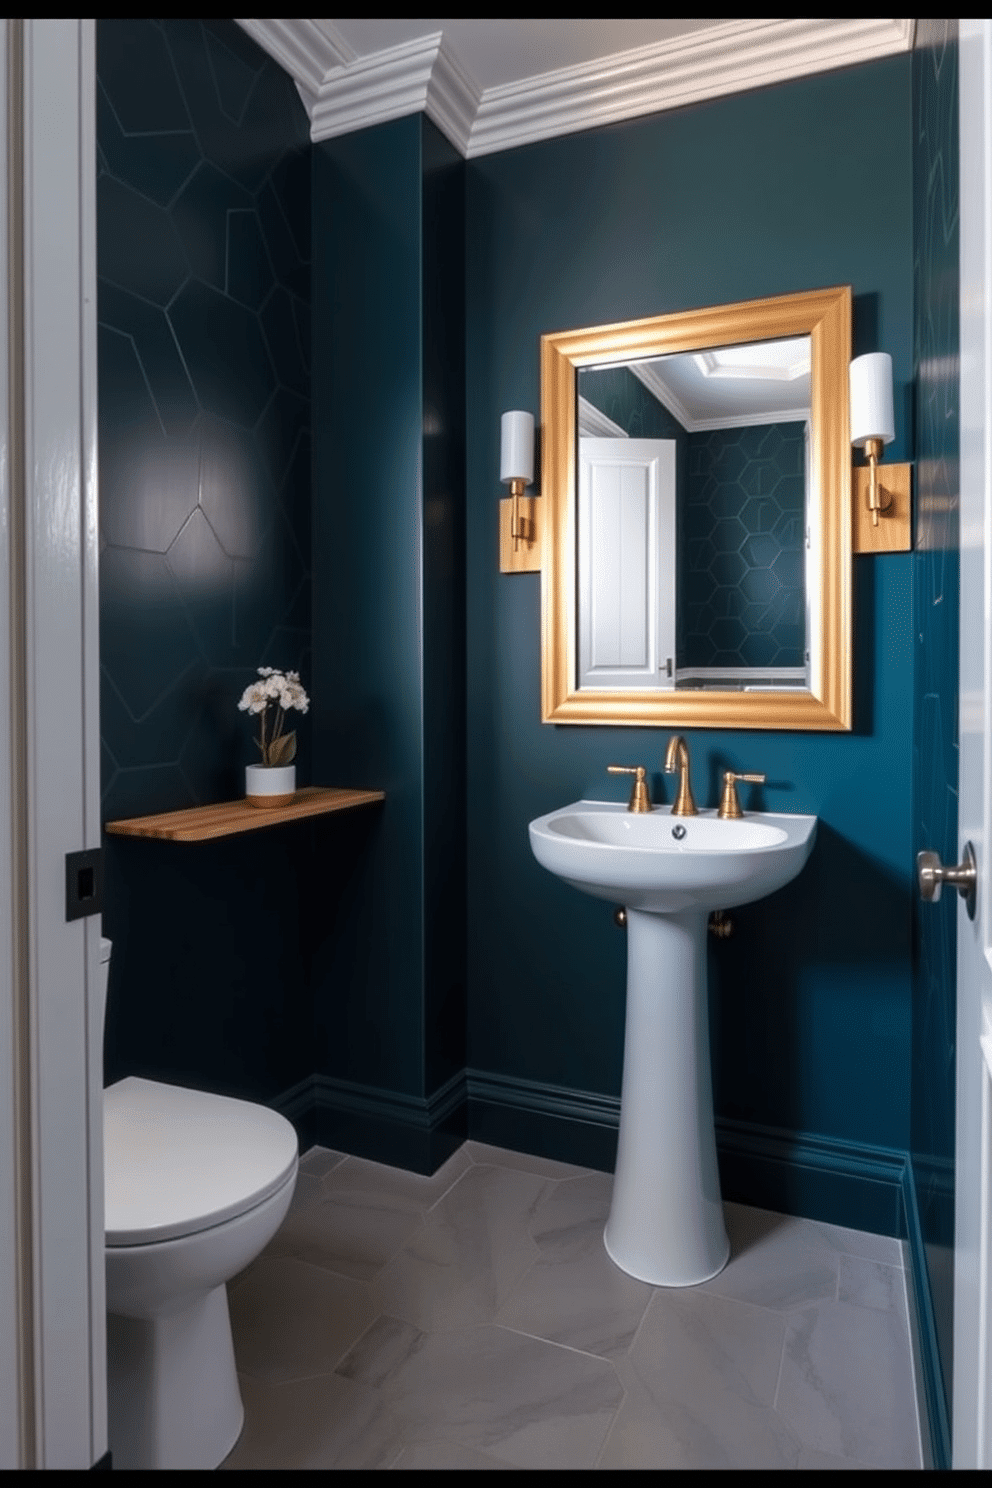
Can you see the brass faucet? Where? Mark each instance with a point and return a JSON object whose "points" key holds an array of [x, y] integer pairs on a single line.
{"points": [[677, 758], [640, 796], [730, 806]]}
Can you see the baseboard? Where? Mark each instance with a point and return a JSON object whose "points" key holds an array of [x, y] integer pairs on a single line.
{"points": [[800, 1173], [935, 1428], [812, 1177], [414, 1132]]}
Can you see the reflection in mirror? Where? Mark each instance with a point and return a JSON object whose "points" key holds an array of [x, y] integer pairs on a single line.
{"points": [[696, 476], [692, 523]]}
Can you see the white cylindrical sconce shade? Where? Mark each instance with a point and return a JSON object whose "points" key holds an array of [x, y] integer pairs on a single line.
{"points": [[516, 446], [871, 398]]}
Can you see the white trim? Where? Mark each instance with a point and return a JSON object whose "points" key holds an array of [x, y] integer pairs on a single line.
{"points": [[452, 99], [63, 1400], [308, 51], [595, 424], [971, 1261], [345, 93], [421, 76], [647, 373], [14, 1290]]}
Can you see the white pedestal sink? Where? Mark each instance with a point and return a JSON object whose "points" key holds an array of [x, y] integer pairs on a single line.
{"points": [[666, 1219]]}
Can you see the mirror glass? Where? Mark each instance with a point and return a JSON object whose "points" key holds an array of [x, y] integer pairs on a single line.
{"points": [[691, 524], [696, 553]]}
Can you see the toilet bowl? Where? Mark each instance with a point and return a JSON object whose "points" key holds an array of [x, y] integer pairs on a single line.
{"points": [[195, 1187]]}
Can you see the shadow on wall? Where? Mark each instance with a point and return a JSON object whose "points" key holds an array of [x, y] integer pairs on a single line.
{"points": [[825, 993]]}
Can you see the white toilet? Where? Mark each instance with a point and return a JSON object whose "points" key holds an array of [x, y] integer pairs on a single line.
{"points": [[196, 1185]]}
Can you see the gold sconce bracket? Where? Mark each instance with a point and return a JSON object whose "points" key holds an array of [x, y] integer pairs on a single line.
{"points": [[520, 553], [889, 528]]}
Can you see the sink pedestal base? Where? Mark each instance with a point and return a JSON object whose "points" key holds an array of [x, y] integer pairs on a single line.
{"points": [[666, 1219]]}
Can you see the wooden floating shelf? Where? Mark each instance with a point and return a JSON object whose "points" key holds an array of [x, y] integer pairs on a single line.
{"points": [[199, 823]]}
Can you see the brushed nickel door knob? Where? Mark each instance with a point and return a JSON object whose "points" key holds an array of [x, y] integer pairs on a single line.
{"points": [[932, 875]]}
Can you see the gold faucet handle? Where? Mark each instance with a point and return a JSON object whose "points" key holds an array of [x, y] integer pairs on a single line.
{"points": [[730, 806], [640, 796]]}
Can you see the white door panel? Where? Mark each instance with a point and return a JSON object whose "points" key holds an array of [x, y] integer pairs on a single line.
{"points": [[626, 556], [972, 1436]]}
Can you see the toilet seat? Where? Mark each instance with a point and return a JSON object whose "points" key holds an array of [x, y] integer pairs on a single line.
{"points": [[179, 1161]]}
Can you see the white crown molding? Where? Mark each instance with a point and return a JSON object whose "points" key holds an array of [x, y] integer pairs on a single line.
{"points": [[304, 49], [344, 93], [705, 64], [595, 424], [648, 374]]}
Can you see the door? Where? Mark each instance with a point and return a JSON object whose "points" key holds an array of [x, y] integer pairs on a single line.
{"points": [[52, 1346], [626, 560], [972, 1424]]}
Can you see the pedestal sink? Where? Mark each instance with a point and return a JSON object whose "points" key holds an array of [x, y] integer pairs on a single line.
{"points": [[666, 1219]]}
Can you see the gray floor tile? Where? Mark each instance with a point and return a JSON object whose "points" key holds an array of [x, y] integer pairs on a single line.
{"points": [[871, 1284], [291, 1320], [473, 1320], [523, 1162], [520, 1399], [429, 1456], [847, 1384], [317, 1162], [321, 1422], [473, 1247], [699, 1387]]}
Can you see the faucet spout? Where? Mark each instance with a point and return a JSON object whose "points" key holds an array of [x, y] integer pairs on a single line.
{"points": [[677, 758]]}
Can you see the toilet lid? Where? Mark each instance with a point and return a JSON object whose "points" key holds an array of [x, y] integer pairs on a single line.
{"points": [[178, 1161]]}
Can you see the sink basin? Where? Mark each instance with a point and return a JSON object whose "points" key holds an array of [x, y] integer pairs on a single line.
{"points": [[663, 863], [666, 1217]]}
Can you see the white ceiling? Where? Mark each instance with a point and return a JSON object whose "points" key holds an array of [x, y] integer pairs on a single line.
{"points": [[495, 53], [492, 84]]}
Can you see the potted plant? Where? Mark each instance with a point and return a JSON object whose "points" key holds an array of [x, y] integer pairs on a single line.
{"points": [[271, 699]]}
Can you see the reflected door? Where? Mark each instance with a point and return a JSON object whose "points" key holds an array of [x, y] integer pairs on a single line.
{"points": [[626, 563]]}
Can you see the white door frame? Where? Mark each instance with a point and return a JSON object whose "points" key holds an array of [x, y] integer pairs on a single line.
{"points": [[52, 1303], [972, 1390]]}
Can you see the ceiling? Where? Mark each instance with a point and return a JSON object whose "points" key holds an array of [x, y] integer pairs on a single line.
{"points": [[492, 84]]}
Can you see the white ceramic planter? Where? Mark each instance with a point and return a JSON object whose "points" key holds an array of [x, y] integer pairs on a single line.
{"points": [[270, 785]]}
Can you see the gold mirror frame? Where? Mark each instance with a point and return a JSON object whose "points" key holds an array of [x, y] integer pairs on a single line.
{"points": [[825, 316]]}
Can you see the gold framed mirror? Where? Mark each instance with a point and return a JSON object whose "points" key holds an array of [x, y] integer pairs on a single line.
{"points": [[650, 685]]}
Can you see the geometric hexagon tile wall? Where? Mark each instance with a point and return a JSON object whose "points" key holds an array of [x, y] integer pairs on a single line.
{"points": [[203, 262], [741, 574]]}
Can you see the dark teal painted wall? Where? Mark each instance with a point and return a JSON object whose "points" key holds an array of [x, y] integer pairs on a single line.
{"points": [[389, 648], [742, 197], [203, 206], [935, 653]]}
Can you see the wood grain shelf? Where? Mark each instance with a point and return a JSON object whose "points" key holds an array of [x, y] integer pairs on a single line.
{"points": [[199, 823]]}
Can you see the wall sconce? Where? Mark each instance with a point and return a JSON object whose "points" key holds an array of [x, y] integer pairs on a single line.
{"points": [[881, 493], [519, 539]]}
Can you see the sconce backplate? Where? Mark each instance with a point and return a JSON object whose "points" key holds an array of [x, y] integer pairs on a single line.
{"points": [[526, 556], [894, 533]]}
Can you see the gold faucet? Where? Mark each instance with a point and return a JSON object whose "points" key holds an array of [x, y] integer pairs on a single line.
{"points": [[730, 806], [640, 796], [677, 758]]}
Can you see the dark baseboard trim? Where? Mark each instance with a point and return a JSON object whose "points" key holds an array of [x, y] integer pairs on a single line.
{"points": [[935, 1428], [414, 1132]]}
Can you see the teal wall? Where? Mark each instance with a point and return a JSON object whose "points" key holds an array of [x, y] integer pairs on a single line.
{"points": [[742, 197], [203, 263], [438, 981], [389, 635]]}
